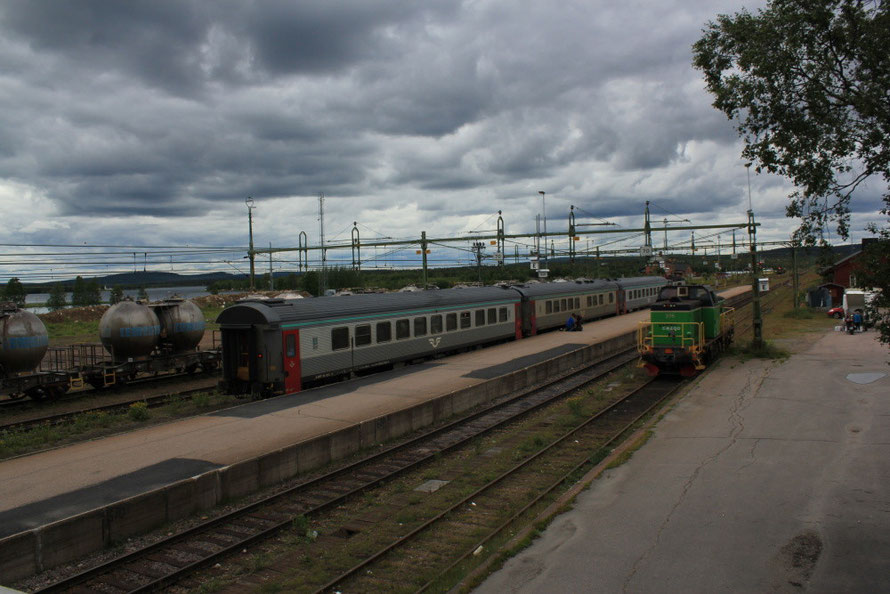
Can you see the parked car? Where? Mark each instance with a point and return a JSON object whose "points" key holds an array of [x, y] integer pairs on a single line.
{"points": [[836, 312]]}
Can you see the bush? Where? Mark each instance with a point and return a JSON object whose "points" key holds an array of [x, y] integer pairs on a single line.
{"points": [[139, 411]]}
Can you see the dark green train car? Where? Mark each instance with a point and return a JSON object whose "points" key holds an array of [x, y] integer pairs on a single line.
{"points": [[688, 326]]}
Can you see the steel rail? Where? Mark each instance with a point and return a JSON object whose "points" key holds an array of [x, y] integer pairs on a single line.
{"points": [[574, 378]]}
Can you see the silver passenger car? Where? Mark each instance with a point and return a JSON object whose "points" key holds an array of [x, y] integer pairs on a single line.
{"points": [[270, 346]]}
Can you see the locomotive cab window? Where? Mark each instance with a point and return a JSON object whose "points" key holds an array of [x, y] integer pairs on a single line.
{"points": [[384, 332], [339, 338], [451, 322], [363, 335], [419, 326], [502, 314], [436, 325], [403, 329], [464, 319], [480, 317]]}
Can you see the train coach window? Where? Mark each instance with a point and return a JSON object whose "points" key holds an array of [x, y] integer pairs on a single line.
{"points": [[548, 307], [464, 319], [436, 325], [502, 314], [451, 322], [480, 317], [384, 332], [363, 335], [339, 338], [590, 300], [419, 327], [611, 297], [564, 305], [492, 316], [577, 303], [291, 345], [403, 329], [556, 306]]}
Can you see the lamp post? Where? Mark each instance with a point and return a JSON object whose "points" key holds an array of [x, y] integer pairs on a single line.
{"points": [[757, 325], [544, 215], [250, 253]]}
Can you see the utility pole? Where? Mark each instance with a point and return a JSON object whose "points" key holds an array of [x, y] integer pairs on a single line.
{"points": [[794, 278], [271, 274], [322, 278], [478, 246], [423, 251], [544, 215], [757, 326], [250, 253]]}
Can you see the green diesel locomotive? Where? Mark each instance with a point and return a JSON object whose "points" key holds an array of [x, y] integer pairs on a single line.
{"points": [[689, 326]]}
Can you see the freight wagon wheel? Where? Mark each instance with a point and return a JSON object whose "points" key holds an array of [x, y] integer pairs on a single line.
{"points": [[38, 394]]}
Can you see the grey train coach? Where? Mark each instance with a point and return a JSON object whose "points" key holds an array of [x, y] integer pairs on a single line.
{"points": [[275, 346]]}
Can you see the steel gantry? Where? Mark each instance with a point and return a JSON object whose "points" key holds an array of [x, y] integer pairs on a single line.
{"points": [[499, 238]]}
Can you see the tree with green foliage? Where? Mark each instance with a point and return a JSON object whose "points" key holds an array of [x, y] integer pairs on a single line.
{"points": [[57, 298], [116, 295], [85, 293], [143, 294], [806, 84], [873, 272], [15, 292]]}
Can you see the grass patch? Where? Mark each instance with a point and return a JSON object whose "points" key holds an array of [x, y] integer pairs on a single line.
{"points": [[628, 453], [94, 424], [766, 351], [72, 328]]}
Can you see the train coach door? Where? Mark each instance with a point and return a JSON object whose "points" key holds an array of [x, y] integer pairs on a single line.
{"points": [[290, 350]]}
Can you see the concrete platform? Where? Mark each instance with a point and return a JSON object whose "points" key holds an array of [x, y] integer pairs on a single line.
{"points": [[110, 488], [767, 477]]}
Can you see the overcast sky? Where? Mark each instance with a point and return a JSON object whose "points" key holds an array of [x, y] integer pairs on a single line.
{"points": [[151, 122]]}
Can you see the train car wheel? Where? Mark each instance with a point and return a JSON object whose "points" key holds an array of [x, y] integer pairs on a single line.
{"points": [[651, 369], [38, 394], [688, 371]]}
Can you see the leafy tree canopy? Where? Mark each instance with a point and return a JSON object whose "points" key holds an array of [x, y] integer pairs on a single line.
{"points": [[116, 295], [15, 292], [56, 299], [806, 82]]}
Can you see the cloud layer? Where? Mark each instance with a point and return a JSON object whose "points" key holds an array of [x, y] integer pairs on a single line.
{"points": [[152, 121]]}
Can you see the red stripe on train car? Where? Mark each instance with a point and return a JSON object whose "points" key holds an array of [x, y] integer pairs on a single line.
{"points": [[517, 313]]}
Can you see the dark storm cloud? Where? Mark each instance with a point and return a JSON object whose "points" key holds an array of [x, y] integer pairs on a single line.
{"points": [[171, 108]]}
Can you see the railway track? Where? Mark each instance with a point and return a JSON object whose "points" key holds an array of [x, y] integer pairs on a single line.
{"points": [[172, 559], [122, 407], [498, 504]]}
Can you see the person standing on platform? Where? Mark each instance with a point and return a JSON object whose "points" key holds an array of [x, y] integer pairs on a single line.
{"points": [[857, 320]]}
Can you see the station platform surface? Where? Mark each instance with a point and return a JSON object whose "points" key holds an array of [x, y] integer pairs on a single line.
{"points": [[48, 486], [766, 477]]}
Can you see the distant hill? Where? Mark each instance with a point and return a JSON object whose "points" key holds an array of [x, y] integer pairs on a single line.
{"points": [[150, 279]]}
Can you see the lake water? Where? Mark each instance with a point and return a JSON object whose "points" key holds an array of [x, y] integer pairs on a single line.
{"points": [[154, 294]]}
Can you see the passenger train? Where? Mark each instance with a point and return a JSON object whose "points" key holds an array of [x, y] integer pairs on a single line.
{"points": [[281, 346]]}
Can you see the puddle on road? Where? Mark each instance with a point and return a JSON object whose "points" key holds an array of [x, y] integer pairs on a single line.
{"points": [[865, 378]]}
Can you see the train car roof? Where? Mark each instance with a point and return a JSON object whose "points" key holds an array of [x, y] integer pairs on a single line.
{"points": [[540, 290], [352, 307], [636, 281]]}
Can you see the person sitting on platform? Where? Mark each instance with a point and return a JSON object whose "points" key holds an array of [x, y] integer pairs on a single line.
{"points": [[578, 326], [570, 324]]}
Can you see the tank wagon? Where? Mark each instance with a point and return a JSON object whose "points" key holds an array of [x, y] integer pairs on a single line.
{"points": [[277, 346], [689, 326], [136, 339]]}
